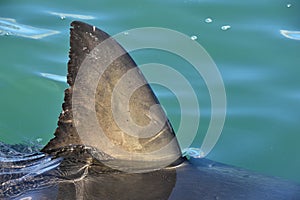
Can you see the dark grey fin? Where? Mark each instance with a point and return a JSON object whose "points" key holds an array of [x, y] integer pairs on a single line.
{"points": [[85, 40]]}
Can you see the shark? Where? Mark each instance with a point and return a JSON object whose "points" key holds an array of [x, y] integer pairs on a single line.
{"points": [[84, 161]]}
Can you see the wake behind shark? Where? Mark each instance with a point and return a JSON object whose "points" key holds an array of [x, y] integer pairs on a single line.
{"points": [[76, 165]]}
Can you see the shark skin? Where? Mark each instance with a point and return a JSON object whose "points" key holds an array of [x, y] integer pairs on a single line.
{"points": [[193, 179], [70, 168]]}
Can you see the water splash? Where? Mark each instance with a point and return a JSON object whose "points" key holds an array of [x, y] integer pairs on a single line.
{"points": [[225, 27], [208, 20], [9, 26], [194, 37], [193, 152], [294, 35], [23, 171]]}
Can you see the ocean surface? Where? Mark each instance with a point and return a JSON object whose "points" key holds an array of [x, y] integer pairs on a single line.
{"points": [[254, 44]]}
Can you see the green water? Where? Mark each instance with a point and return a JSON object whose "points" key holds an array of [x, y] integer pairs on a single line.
{"points": [[259, 66]]}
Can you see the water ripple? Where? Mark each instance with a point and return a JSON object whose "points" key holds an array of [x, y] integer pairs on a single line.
{"points": [[54, 77], [20, 171], [294, 35], [76, 16], [9, 26]]}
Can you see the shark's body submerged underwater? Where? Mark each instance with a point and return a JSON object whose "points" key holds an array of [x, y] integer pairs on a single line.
{"points": [[75, 165]]}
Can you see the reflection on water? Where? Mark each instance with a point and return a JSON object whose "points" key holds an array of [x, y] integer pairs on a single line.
{"points": [[9, 26], [75, 16], [295, 35], [20, 165], [54, 77]]}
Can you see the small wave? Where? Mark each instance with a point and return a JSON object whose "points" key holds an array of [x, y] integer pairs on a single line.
{"points": [[76, 16], [193, 152], [294, 35], [54, 77], [9, 26], [20, 171]]}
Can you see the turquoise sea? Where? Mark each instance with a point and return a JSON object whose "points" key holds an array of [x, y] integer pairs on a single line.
{"points": [[255, 45]]}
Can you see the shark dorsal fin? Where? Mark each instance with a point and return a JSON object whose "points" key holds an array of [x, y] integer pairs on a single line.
{"points": [[121, 97]]}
